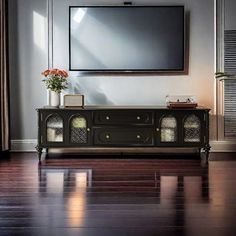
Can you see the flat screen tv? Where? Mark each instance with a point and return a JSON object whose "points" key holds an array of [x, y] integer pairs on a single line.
{"points": [[126, 38]]}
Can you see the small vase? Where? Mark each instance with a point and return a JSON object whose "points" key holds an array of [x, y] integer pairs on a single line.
{"points": [[54, 99]]}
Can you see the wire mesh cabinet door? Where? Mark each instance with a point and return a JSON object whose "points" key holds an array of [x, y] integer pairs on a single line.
{"points": [[195, 129], [192, 129], [79, 130]]}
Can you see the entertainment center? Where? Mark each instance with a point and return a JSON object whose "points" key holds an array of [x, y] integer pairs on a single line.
{"points": [[125, 39], [121, 128]]}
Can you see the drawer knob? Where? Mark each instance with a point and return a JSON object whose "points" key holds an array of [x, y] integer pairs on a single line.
{"points": [[138, 118], [88, 129], [138, 136], [157, 129], [107, 136], [107, 117]]}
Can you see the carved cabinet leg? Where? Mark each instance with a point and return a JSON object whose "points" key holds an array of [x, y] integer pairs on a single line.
{"points": [[207, 149], [39, 150]]}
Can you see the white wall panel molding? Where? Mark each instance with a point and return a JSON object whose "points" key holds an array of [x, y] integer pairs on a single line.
{"points": [[219, 31]]}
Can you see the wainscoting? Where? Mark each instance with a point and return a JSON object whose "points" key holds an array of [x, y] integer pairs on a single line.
{"points": [[78, 195]]}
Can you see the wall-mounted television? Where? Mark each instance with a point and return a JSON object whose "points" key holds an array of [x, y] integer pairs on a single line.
{"points": [[127, 38]]}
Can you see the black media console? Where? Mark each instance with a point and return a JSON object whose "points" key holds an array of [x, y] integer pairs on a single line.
{"points": [[123, 128]]}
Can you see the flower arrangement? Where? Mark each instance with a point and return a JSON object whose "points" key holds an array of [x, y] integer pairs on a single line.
{"points": [[55, 79]]}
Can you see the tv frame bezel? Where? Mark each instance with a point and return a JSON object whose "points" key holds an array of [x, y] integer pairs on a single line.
{"points": [[182, 71]]}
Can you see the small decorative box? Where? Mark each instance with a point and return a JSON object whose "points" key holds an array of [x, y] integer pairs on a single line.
{"points": [[74, 100]]}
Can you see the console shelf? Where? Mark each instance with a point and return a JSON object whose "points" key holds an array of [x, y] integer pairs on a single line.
{"points": [[123, 127]]}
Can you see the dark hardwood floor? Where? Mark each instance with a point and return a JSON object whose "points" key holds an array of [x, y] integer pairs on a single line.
{"points": [[117, 196]]}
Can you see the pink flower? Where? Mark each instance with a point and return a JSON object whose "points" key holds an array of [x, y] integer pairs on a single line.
{"points": [[46, 73], [56, 72]]}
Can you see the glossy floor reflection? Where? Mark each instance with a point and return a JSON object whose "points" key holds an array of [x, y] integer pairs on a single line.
{"points": [[109, 197]]}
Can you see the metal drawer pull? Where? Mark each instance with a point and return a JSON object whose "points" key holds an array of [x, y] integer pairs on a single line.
{"points": [[138, 136], [138, 118], [107, 118], [157, 129], [88, 129], [107, 136]]}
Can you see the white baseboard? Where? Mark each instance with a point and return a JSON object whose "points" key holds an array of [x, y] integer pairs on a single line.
{"points": [[23, 145], [223, 146], [28, 145]]}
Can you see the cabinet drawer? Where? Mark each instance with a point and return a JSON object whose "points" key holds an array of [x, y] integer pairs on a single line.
{"points": [[124, 136], [123, 117]]}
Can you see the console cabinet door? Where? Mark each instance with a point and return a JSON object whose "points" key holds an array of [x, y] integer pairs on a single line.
{"points": [[52, 130], [167, 129], [79, 129], [193, 128]]}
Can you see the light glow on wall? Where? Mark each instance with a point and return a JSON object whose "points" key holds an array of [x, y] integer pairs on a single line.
{"points": [[39, 30]]}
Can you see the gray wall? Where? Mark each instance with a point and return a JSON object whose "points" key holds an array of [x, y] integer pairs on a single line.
{"points": [[29, 56], [27, 60]]}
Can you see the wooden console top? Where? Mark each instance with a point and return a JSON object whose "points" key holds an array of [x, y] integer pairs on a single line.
{"points": [[103, 107]]}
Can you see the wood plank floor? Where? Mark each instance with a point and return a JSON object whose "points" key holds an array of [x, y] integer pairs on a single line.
{"points": [[119, 196]]}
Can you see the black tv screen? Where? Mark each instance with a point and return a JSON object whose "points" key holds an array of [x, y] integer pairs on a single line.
{"points": [[126, 38]]}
